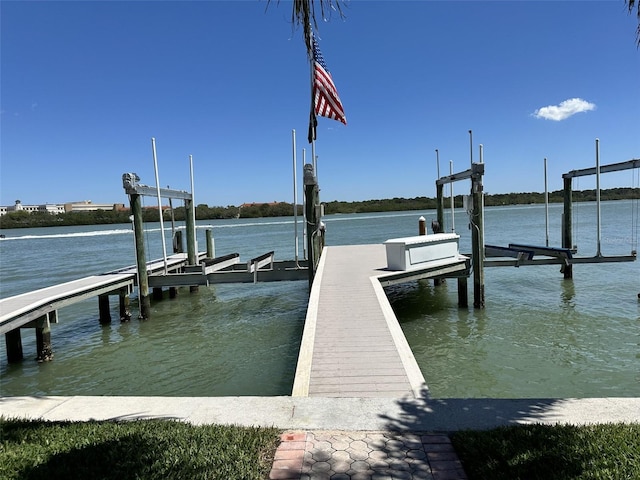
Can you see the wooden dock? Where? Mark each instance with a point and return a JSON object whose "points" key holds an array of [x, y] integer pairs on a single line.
{"points": [[18, 311], [352, 344]]}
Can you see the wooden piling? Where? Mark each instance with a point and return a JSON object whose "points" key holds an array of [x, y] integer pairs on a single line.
{"points": [[477, 235], [123, 303], [190, 227], [104, 309], [567, 233], [314, 235], [463, 300], [439, 227], [191, 238], [211, 251], [13, 342], [43, 339], [157, 293], [143, 279], [422, 226], [440, 206], [178, 246]]}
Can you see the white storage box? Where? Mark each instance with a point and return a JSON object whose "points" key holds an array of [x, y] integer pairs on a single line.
{"points": [[414, 252]]}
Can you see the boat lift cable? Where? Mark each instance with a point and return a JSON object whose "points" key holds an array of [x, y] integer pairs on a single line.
{"points": [[575, 221], [635, 211]]}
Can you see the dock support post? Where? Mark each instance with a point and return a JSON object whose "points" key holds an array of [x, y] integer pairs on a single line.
{"points": [[211, 251], [191, 239], [143, 279], [43, 339], [477, 235], [104, 309], [178, 247], [440, 206], [123, 303], [13, 341], [312, 201], [156, 292], [566, 224], [463, 300], [439, 228]]}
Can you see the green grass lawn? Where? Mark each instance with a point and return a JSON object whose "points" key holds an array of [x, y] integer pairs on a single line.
{"points": [[154, 449], [147, 449], [551, 452]]}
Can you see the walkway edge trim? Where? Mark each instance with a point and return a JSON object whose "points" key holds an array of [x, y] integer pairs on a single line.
{"points": [[414, 374], [303, 368]]}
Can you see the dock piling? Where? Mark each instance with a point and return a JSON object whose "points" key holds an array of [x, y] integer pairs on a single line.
{"points": [[13, 341], [141, 261], [315, 242], [123, 303], [422, 226], [104, 309], [477, 235], [43, 339], [211, 249]]}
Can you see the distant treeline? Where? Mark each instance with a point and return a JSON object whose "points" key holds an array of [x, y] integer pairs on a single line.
{"points": [[23, 219]]}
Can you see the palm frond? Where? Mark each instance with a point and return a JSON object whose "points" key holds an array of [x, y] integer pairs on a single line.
{"points": [[631, 4], [304, 13]]}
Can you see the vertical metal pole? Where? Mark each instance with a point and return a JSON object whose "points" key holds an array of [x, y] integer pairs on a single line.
{"points": [[438, 163], [599, 252], [481, 149], [546, 202], [453, 221], [193, 201], [471, 146], [295, 195], [164, 243]]}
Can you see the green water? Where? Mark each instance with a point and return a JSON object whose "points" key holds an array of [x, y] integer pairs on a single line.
{"points": [[539, 335]]}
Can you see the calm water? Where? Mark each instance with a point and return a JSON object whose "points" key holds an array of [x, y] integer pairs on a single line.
{"points": [[539, 335]]}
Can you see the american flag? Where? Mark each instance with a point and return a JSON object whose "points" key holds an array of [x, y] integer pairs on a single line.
{"points": [[325, 96]]}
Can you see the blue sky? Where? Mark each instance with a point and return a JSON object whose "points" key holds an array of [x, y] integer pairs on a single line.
{"points": [[86, 84]]}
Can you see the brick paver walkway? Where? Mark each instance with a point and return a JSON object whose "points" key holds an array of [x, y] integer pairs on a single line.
{"points": [[331, 455]]}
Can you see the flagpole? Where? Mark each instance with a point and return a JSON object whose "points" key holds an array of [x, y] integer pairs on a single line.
{"points": [[295, 195], [312, 115]]}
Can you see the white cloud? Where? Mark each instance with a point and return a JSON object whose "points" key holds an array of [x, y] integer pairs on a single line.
{"points": [[564, 110]]}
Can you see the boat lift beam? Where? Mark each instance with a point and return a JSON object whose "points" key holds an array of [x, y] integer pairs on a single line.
{"points": [[567, 227], [475, 174], [613, 167]]}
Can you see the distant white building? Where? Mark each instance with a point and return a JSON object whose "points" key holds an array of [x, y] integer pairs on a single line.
{"points": [[54, 209]]}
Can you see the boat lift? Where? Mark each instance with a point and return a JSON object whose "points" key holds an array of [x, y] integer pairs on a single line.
{"points": [[524, 254]]}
